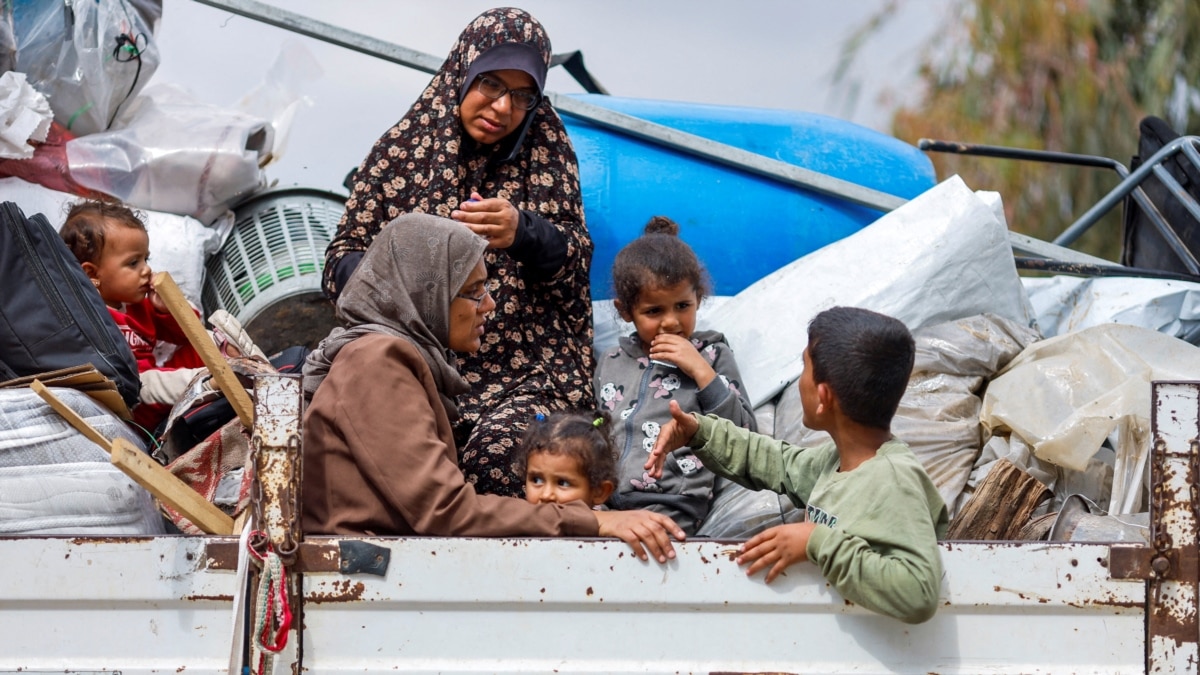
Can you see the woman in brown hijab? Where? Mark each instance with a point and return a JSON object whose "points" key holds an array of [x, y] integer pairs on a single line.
{"points": [[379, 455], [482, 146]]}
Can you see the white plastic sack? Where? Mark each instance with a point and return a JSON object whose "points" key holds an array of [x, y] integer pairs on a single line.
{"points": [[89, 57], [169, 152], [1064, 396], [24, 116], [178, 244], [1065, 304], [942, 256]]}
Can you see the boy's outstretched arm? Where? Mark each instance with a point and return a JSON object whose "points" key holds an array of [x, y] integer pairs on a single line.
{"points": [[672, 436]]}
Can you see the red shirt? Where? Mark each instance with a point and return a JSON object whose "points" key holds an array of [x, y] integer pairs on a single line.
{"points": [[144, 328]]}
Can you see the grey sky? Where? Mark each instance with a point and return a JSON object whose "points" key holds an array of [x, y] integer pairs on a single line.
{"points": [[759, 53]]}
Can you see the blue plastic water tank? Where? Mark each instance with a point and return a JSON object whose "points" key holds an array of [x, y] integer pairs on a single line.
{"points": [[742, 226]]}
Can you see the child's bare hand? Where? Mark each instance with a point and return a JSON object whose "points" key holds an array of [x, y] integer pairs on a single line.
{"points": [[157, 302], [776, 548], [642, 528], [673, 435], [680, 351], [494, 219]]}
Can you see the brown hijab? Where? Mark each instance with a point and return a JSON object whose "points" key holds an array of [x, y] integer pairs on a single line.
{"points": [[403, 287]]}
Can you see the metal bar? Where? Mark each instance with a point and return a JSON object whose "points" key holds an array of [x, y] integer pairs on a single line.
{"points": [[276, 441], [1114, 197], [1023, 243], [751, 162], [1093, 270], [1173, 606], [327, 32], [933, 145]]}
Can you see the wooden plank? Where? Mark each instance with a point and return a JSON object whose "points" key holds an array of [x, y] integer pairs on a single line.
{"points": [[169, 489], [1002, 505], [71, 416], [221, 373]]}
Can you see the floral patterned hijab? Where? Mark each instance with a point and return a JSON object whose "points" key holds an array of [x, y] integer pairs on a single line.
{"points": [[427, 163], [403, 287]]}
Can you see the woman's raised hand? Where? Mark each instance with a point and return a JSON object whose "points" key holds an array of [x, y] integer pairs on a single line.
{"points": [[641, 530], [494, 219]]}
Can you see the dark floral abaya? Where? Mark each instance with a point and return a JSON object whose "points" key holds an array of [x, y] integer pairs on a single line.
{"points": [[537, 352]]}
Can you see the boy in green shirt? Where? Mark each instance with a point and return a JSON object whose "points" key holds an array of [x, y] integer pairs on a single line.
{"points": [[873, 514]]}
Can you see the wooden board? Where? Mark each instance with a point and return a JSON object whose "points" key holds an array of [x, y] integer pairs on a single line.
{"points": [[71, 416], [169, 489], [145, 471], [222, 375], [1001, 506]]}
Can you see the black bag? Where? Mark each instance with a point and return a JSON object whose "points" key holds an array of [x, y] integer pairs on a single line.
{"points": [[200, 422], [50, 315], [1144, 245]]}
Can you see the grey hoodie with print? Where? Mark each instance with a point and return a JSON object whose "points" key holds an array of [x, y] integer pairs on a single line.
{"points": [[638, 394]]}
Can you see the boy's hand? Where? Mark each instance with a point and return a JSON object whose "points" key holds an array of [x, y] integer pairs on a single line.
{"points": [[156, 301], [674, 434], [638, 528], [494, 219], [680, 351], [776, 548]]}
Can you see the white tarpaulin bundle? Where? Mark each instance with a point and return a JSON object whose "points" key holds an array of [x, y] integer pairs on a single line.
{"points": [[944, 255], [1066, 395], [1067, 304]]}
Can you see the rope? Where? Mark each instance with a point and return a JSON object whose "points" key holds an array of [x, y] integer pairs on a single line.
{"points": [[272, 613]]}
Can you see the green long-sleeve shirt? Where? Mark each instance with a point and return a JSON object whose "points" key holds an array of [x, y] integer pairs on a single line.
{"points": [[877, 525]]}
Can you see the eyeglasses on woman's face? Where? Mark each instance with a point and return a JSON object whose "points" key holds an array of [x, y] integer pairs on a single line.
{"points": [[525, 99], [478, 300]]}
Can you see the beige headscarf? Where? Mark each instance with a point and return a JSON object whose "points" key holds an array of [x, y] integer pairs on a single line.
{"points": [[403, 287]]}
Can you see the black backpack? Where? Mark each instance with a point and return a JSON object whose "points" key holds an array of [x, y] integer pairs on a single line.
{"points": [[50, 315]]}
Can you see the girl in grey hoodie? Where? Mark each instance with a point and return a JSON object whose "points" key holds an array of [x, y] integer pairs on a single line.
{"points": [[659, 284]]}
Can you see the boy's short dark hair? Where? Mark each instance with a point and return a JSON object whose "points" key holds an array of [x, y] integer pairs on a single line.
{"points": [[866, 358], [83, 232]]}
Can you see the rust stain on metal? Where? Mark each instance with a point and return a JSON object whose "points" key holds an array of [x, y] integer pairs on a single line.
{"points": [[78, 541], [346, 590], [751, 673], [212, 598], [589, 591], [221, 555]]}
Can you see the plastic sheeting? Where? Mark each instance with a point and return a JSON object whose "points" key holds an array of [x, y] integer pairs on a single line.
{"points": [[1066, 395], [90, 57], [1067, 304], [939, 414], [172, 153], [942, 256], [24, 117]]}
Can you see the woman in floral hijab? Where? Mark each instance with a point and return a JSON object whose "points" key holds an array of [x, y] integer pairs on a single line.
{"points": [[482, 146]]}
